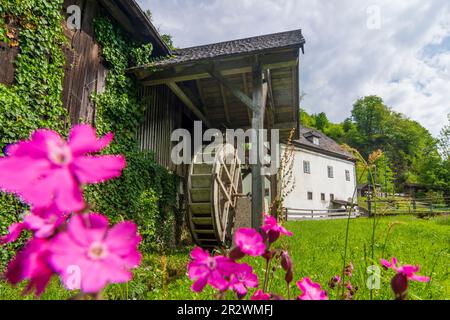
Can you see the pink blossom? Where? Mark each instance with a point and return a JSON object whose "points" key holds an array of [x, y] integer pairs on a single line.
{"points": [[101, 255], [43, 222], [408, 271], [242, 279], [31, 264], [14, 232], [311, 291], [335, 281], [250, 242], [204, 269], [46, 169], [273, 230], [260, 295]]}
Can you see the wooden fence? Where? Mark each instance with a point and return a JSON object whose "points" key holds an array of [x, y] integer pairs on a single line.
{"points": [[325, 214]]}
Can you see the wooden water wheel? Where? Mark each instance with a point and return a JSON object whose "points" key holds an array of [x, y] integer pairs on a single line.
{"points": [[214, 184]]}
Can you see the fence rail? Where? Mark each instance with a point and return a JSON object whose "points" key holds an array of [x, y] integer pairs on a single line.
{"points": [[308, 214], [405, 206]]}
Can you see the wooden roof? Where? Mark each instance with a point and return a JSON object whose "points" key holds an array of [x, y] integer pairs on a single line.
{"points": [[215, 81], [130, 16]]}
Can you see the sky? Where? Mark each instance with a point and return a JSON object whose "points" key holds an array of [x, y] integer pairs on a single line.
{"points": [[396, 49]]}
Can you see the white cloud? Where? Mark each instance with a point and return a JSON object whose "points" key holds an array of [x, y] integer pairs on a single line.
{"points": [[344, 60]]}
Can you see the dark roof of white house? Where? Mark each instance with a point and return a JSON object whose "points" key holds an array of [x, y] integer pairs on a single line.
{"points": [[251, 45], [326, 144]]}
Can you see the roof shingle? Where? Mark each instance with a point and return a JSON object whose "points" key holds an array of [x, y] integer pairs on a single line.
{"points": [[236, 47], [326, 145]]}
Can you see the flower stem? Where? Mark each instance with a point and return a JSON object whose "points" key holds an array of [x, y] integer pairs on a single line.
{"points": [[266, 276]]}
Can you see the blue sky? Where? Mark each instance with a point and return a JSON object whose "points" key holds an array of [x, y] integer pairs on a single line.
{"points": [[399, 50]]}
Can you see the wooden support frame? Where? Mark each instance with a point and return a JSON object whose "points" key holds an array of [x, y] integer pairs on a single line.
{"points": [[286, 59], [245, 84], [271, 109], [258, 179], [235, 91], [185, 99], [225, 103]]}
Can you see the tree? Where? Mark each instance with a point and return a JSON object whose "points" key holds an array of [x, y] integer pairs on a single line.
{"points": [[444, 140], [306, 120], [166, 38], [321, 121]]}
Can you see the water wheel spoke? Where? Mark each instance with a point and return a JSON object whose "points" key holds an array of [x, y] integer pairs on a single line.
{"points": [[212, 190]]}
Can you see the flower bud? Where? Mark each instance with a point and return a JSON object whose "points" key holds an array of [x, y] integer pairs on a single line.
{"points": [[289, 276], [236, 254], [268, 255], [286, 261], [399, 285], [335, 281]]}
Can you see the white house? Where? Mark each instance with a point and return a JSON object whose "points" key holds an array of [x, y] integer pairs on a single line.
{"points": [[325, 173]]}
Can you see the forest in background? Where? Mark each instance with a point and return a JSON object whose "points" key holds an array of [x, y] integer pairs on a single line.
{"points": [[411, 155]]}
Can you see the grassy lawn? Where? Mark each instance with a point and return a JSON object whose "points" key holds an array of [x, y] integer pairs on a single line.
{"points": [[317, 251]]}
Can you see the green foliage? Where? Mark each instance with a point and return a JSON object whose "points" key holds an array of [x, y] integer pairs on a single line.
{"points": [[146, 192], [411, 153], [411, 240], [34, 99]]}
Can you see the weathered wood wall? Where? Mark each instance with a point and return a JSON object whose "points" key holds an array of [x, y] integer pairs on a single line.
{"points": [[165, 113], [8, 53], [84, 71], [85, 74]]}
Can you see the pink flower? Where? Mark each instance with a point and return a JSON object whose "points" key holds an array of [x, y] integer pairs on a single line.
{"points": [[204, 269], [260, 296], [46, 169], [335, 281], [250, 242], [14, 232], [408, 271], [242, 279], [99, 255], [311, 291], [43, 222], [348, 271], [273, 230], [31, 264]]}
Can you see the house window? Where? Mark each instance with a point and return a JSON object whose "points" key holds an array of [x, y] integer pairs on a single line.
{"points": [[310, 195], [330, 172], [331, 197], [307, 167], [322, 196], [347, 175], [316, 141]]}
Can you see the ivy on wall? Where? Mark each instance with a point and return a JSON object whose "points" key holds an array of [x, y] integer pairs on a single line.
{"points": [[146, 192], [34, 100]]}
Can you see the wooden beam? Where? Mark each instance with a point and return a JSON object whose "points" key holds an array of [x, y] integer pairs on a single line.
{"points": [[225, 103], [258, 180], [185, 99], [265, 91], [202, 98], [249, 111], [271, 109], [231, 66], [234, 90]]}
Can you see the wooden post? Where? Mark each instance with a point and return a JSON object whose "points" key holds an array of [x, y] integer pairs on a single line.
{"points": [[257, 126]]}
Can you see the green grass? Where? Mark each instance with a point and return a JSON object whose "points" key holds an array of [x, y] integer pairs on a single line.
{"points": [[317, 249]]}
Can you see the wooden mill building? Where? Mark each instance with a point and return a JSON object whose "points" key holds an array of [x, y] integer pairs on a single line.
{"points": [[247, 83]]}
